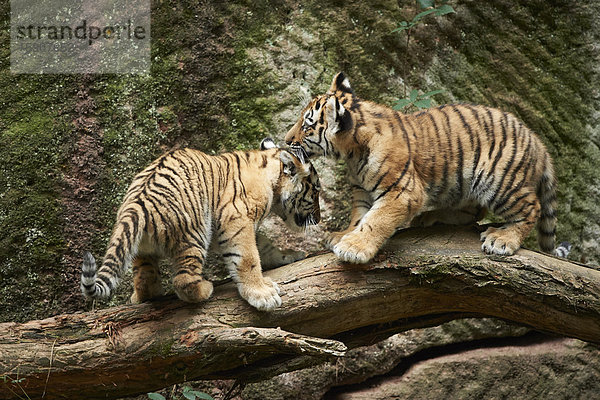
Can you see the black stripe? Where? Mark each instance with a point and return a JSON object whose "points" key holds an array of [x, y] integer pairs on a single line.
{"points": [[447, 154], [512, 215], [106, 280], [459, 168], [510, 189], [194, 282], [231, 255], [232, 236], [210, 188], [364, 160], [188, 187], [410, 179], [393, 185], [478, 142], [511, 205], [378, 181], [510, 162], [432, 176], [166, 223], [500, 148], [181, 260], [185, 271], [492, 133], [175, 215]]}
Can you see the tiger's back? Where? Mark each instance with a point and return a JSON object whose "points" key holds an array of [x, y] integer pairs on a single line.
{"points": [[442, 162]]}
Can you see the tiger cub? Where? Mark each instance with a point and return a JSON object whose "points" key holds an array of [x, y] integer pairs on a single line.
{"points": [[443, 164], [186, 200]]}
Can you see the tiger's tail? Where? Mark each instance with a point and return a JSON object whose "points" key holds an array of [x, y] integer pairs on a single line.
{"points": [[124, 241], [546, 226]]}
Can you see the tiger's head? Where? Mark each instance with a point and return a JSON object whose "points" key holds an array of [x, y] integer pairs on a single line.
{"points": [[323, 121], [298, 189]]}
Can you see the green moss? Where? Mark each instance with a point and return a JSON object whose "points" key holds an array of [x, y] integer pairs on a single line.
{"points": [[357, 38], [252, 88], [30, 217], [162, 349]]}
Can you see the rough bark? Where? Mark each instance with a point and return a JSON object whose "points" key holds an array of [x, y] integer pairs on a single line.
{"points": [[423, 276]]}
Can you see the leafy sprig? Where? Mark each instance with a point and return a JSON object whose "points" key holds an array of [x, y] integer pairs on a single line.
{"points": [[419, 100]]}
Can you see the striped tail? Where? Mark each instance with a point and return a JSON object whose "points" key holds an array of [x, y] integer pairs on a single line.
{"points": [[124, 241], [546, 225]]}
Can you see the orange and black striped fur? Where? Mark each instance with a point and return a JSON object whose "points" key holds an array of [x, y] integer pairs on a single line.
{"points": [[187, 200], [444, 164]]}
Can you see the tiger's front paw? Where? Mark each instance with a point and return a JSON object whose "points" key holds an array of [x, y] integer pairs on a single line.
{"points": [[334, 238], [264, 297], [353, 248], [499, 241]]}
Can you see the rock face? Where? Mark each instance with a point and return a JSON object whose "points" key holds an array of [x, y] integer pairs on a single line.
{"points": [[557, 369], [226, 74]]}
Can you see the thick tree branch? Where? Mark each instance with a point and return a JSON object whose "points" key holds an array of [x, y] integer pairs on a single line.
{"points": [[422, 276]]}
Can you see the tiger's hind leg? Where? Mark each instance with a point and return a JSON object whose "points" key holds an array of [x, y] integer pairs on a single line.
{"points": [[146, 279], [188, 282], [272, 257], [521, 214]]}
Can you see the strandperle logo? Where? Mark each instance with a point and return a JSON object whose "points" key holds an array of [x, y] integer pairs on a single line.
{"points": [[83, 31], [74, 36]]}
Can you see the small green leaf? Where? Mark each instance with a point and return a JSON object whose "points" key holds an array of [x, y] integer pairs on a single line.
{"points": [[402, 26], [402, 103], [189, 395], [423, 103], [426, 3], [423, 14], [443, 10], [432, 93], [413, 95], [202, 396], [156, 396]]}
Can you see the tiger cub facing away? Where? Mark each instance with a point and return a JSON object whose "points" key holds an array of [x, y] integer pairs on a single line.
{"points": [[444, 164], [186, 200]]}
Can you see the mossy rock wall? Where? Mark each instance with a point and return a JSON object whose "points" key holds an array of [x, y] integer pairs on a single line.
{"points": [[226, 74]]}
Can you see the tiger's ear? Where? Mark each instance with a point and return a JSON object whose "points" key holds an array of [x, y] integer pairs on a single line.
{"points": [[340, 83], [291, 163], [267, 143], [338, 118]]}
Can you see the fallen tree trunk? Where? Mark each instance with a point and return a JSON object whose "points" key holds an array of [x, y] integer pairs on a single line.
{"points": [[421, 278]]}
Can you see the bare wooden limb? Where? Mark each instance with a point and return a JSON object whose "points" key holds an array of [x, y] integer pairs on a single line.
{"points": [[427, 275]]}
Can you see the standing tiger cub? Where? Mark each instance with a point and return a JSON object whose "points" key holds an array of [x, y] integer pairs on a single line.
{"points": [[186, 200], [443, 164]]}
